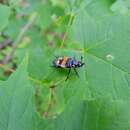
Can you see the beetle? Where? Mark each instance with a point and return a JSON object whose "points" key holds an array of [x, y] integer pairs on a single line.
{"points": [[69, 63]]}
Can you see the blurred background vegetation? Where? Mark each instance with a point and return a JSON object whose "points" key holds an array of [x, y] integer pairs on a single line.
{"points": [[47, 30], [39, 28]]}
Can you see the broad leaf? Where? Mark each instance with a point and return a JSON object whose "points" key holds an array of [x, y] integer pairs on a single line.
{"points": [[99, 99], [94, 115], [105, 39], [16, 99]]}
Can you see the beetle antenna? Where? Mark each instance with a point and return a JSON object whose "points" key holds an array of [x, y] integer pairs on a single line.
{"points": [[56, 57]]}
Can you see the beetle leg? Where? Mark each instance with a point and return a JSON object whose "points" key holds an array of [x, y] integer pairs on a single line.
{"points": [[68, 74], [76, 72], [81, 58]]}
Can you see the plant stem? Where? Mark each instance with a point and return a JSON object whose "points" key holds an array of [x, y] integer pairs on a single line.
{"points": [[65, 35], [19, 38]]}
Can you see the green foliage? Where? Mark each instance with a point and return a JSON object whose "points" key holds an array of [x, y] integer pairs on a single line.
{"points": [[16, 97], [96, 30], [4, 14]]}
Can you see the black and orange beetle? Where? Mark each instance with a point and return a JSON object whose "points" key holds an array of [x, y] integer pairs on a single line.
{"points": [[67, 62]]}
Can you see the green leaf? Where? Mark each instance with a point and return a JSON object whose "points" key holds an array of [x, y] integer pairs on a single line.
{"points": [[14, 3], [14, 26], [94, 115], [38, 51], [105, 40], [121, 6], [45, 12], [4, 14], [99, 98], [16, 99]]}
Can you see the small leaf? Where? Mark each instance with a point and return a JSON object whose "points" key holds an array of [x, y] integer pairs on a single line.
{"points": [[120, 6], [4, 14], [45, 12]]}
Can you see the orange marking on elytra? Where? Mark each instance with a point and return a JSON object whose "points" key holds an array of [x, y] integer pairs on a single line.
{"points": [[64, 60]]}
